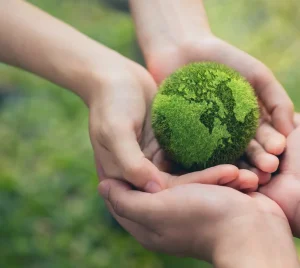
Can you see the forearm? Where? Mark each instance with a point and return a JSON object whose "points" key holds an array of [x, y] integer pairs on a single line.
{"points": [[35, 41], [168, 23], [267, 244]]}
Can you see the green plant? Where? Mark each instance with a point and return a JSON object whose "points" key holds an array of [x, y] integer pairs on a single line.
{"points": [[205, 114]]}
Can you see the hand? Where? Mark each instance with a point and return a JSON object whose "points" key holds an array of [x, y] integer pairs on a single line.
{"points": [[124, 143], [117, 91], [284, 188], [276, 107], [213, 223]]}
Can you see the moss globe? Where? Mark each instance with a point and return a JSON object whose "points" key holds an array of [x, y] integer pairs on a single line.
{"points": [[204, 114]]}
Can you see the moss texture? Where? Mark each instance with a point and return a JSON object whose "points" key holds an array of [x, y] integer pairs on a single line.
{"points": [[205, 114]]}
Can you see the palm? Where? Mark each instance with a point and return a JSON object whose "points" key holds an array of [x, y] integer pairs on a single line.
{"points": [[153, 151], [208, 204], [155, 220], [221, 204]]}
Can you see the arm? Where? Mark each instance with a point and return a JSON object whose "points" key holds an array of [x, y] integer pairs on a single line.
{"points": [[106, 81], [117, 91], [168, 24], [35, 41]]}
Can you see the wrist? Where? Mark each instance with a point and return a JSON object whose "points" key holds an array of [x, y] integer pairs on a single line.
{"points": [[256, 240], [95, 73], [115, 73], [61, 54], [170, 56], [168, 24]]}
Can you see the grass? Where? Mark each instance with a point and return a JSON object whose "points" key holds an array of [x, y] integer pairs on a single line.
{"points": [[51, 215]]}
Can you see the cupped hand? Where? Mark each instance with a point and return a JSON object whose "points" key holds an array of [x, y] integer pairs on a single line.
{"points": [[284, 187], [124, 143], [192, 220], [276, 107]]}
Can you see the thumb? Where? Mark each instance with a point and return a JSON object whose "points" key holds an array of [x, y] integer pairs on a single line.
{"points": [[135, 167]]}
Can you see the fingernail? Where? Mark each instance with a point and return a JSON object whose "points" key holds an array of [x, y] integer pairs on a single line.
{"points": [[152, 187], [104, 189]]}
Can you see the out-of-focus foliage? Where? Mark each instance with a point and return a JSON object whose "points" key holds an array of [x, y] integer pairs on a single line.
{"points": [[50, 212]]}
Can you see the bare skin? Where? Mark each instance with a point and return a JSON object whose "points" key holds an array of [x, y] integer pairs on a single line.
{"points": [[225, 227], [208, 222], [117, 91], [284, 188], [180, 34]]}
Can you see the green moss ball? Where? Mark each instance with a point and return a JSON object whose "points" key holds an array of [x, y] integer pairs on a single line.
{"points": [[204, 114]]}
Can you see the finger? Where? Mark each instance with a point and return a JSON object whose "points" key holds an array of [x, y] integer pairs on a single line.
{"points": [[141, 233], [268, 89], [259, 197], [275, 99], [290, 161], [133, 205], [217, 175], [160, 159], [151, 148], [285, 192], [105, 163], [246, 181], [270, 139], [297, 119], [266, 204], [135, 167], [263, 177], [259, 158]]}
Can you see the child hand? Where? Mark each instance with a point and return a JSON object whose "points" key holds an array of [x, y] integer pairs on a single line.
{"points": [[124, 143], [276, 107]]}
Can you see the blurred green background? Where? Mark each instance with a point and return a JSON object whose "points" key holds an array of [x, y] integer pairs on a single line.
{"points": [[50, 212]]}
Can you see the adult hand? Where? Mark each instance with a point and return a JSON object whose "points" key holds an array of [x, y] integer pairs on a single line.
{"points": [[208, 222], [284, 188]]}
